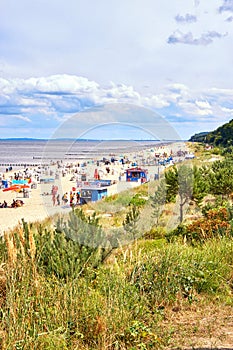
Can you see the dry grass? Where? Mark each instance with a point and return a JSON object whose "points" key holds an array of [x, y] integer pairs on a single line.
{"points": [[202, 325], [3, 281], [46, 313], [107, 308]]}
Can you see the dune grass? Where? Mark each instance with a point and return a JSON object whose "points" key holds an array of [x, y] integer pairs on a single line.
{"points": [[119, 304]]}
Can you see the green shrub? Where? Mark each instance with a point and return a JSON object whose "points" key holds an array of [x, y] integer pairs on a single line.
{"points": [[186, 271], [216, 223], [139, 336], [76, 244], [137, 201], [179, 232], [156, 232]]}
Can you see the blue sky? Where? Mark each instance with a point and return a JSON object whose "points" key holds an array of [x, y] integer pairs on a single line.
{"points": [[59, 58]]}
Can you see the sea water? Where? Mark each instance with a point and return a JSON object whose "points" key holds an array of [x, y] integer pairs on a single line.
{"points": [[19, 153]]}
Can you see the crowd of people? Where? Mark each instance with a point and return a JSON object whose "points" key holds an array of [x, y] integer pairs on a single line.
{"points": [[15, 204], [73, 198], [3, 205]]}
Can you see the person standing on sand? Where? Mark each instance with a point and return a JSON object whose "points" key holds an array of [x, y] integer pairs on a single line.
{"points": [[71, 199], [58, 199], [65, 198], [54, 193], [54, 199], [77, 198]]}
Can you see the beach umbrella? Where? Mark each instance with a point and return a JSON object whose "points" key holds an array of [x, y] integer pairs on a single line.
{"points": [[24, 186], [96, 174], [15, 188]]}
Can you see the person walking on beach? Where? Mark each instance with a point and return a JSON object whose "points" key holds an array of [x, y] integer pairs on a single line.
{"points": [[77, 198], [58, 199], [54, 194], [54, 199], [71, 199], [65, 198]]}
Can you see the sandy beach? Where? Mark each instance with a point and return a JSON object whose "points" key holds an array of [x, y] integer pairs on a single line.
{"points": [[39, 205]]}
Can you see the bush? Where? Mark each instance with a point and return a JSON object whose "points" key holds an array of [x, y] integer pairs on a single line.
{"points": [[137, 201], [155, 232], [111, 198], [179, 231], [216, 223], [176, 271], [77, 244]]}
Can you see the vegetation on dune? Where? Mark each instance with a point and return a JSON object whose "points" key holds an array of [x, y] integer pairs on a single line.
{"points": [[73, 285], [221, 137], [200, 137], [118, 305]]}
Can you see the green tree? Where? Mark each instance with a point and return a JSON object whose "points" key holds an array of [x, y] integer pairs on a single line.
{"points": [[179, 181], [171, 178], [130, 222], [185, 187], [221, 179], [159, 199], [200, 183], [75, 245]]}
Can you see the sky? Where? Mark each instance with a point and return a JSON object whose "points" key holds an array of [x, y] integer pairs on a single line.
{"points": [[64, 58]]}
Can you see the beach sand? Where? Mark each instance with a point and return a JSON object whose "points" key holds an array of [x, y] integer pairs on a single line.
{"points": [[39, 206]]}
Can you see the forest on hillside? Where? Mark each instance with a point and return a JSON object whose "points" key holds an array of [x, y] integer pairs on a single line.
{"points": [[221, 137]]}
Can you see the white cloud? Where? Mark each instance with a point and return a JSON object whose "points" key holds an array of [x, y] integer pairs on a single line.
{"points": [[124, 42], [57, 83], [203, 104], [226, 6], [21, 117], [229, 19], [65, 93], [191, 108], [227, 110], [187, 38], [221, 92], [188, 18], [178, 87], [155, 101], [58, 58], [48, 104]]}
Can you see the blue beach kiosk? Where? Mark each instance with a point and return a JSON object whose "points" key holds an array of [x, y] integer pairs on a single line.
{"points": [[93, 194], [137, 174]]}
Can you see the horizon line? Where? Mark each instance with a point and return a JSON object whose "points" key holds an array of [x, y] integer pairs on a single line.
{"points": [[84, 139]]}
